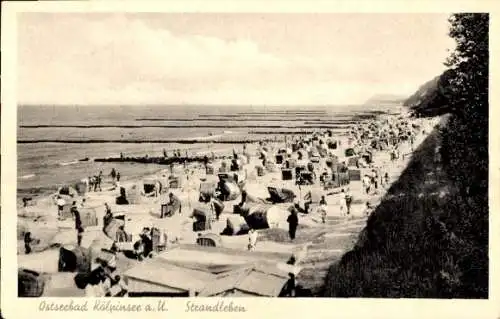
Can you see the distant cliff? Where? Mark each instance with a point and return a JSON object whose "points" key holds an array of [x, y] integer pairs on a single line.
{"points": [[385, 99], [431, 98]]}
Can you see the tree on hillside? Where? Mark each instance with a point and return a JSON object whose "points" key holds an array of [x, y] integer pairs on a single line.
{"points": [[465, 139]]}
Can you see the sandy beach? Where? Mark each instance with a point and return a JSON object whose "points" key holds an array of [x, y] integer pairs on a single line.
{"points": [[318, 244]]}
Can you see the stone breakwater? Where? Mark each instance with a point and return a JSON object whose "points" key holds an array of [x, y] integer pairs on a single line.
{"points": [[157, 160]]}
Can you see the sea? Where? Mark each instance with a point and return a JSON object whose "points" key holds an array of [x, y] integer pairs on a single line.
{"points": [[52, 140]]}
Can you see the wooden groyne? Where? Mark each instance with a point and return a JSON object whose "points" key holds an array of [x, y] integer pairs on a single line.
{"points": [[160, 160], [209, 140], [221, 126]]}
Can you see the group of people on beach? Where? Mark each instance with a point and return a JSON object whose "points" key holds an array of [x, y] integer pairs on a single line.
{"points": [[176, 153], [374, 180], [102, 281], [94, 183], [75, 214]]}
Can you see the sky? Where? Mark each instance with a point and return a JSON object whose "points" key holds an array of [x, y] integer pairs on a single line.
{"points": [[236, 58]]}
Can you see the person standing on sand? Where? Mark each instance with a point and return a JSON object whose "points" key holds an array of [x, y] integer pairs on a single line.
{"points": [[367, 184], [293, 222], [348, 201], [73, 206], [322, 208], [375, 178], [252, 239], [205, 162], [78, 225], [113, 174], [381, 179], [98, 182], [343, 204], [412, 141], [60, 202], [91, 183]]}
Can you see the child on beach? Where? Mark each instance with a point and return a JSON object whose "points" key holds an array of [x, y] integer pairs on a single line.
{"points": [[322, 209], [343, 204], [348, 202], [60, 202], [252, 239], [374, 177]]}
